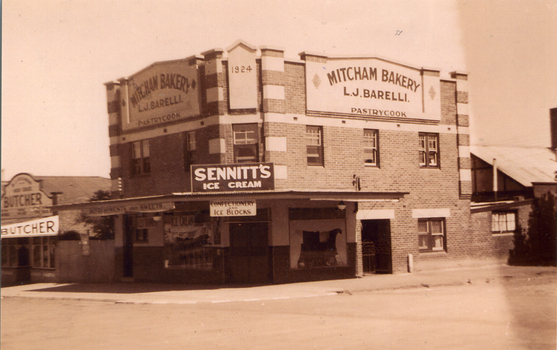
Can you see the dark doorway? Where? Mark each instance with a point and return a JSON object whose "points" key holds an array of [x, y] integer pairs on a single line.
{"points": [[128, 247], [376, 246], [249, 246]]}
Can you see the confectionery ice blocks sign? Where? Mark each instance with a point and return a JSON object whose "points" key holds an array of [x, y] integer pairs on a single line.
{"points": [[161, 93], [372, 87]]}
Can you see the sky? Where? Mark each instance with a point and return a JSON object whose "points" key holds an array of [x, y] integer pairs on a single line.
{"points": [[57, 55]]}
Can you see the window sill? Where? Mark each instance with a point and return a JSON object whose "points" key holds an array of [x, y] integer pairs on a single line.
{"points": [[502, 234], [433, 252]]}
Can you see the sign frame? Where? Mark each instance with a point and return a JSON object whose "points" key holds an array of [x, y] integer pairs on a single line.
{"points": [[160, 94], [372, 87], [233, 208], [237, 177]]}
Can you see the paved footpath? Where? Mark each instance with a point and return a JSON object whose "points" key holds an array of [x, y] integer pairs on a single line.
{"points": [[150, 293]]}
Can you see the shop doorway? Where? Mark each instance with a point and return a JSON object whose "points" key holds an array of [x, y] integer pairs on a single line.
{"points": [[128, 247], [376, 246], [249, 247]]}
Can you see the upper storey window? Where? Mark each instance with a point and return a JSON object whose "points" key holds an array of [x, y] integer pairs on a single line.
{"points": [[371, 147], [314, 143], [190, 147], [429, 150], [141, 163], [245, 143]]}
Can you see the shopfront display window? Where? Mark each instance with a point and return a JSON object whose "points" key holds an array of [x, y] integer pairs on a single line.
{"points": [[317, 238], [15, 252], [42, 250], [188, 243]]}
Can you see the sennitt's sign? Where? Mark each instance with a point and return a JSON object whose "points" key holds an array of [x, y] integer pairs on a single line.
{"points": [[233, 177], [115, 209], [372, 87], [233, 208], [22, 197], [161, 93], [48, 226]]}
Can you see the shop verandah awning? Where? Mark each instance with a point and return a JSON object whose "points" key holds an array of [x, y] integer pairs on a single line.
{"points": [[161, 203]]}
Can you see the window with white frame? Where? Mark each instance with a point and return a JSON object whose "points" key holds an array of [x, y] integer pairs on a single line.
{"points": [[371, 147], [429, 150], [431, 235], [245, 143], [141, 162], [503, 222], [314, 143]]}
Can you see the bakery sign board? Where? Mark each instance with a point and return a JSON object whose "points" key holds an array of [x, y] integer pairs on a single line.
{"points": [[372, 87], [23, 197], [161, 93], [232, 177]]}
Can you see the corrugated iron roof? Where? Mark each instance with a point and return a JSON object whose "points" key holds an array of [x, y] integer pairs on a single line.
{"points": [[75, 189], [524, 164]]}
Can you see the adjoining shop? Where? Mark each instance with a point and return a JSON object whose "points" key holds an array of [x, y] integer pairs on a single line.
{"points": [[42, 245]]}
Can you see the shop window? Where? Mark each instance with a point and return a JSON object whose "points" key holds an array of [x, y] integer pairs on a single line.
{"points": [[317, 238], [314, 144], [190, 147], [15, 252], [371, 147], [503, 222], [431, 235], [188, 244], [43, 252], [429, 150], [141, 163], [245, 143]]}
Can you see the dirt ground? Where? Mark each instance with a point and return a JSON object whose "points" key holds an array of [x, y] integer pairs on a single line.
{"points": [[506, 314]]}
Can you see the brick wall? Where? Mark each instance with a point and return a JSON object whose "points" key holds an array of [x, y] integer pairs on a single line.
{"points": [[343, 138]]}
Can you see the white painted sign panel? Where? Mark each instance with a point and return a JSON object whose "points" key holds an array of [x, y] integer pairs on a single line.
{"points": [[242, 77], [48, 226], [233, 208], [371, 87], [161, 93], [23, 198]]}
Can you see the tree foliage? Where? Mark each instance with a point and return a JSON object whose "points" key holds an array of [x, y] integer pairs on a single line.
{"points": [[538, 245], [103, 226]]}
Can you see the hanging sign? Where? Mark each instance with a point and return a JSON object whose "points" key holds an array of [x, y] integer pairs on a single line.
{"points": [[48, 226], [233, 177], [233, 208], [115, 209]]}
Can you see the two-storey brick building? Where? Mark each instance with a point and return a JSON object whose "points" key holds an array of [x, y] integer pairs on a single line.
{"points": [[241, 166]]}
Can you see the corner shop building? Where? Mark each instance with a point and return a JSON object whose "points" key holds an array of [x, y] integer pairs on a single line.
{"points": [[241, 166]]}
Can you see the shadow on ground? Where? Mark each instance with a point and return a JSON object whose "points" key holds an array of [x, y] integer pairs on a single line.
{"points": [[130, 288]]}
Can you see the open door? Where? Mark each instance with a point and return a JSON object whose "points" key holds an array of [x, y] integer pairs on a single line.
{"points": [[376, 246]]}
